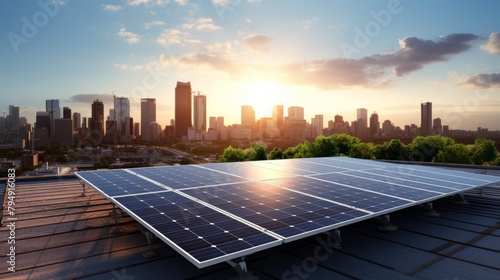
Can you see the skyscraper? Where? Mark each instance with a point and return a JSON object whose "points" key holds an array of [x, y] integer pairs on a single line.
{"points": [[182, 109], [121, 113], [278, 117], [374, 124], [148, 115], [77, 121], [97, 122], [316, 126], [14, 116], [247, 116], [200, 113], [426, 119], [52, 107], [362, 119], [296, 113], [66, 113]]}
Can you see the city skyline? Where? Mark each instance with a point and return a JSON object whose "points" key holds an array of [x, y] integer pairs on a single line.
{"points": [[330, 58]]}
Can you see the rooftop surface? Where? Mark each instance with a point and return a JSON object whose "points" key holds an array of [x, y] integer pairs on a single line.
{"points": [[60, 234]]}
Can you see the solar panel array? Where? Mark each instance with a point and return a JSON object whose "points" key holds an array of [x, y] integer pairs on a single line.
{"points": [[212, 213]]}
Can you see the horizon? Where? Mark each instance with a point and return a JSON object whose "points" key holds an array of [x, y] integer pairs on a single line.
{"points": [[329, 58]]}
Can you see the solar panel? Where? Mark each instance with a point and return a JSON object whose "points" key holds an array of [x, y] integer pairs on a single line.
{"points": [[201, 234], [212, 213]]}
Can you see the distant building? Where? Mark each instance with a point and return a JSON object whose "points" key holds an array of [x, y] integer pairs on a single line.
{"points": [[247, 117], [13, 117], [66, 113], [220, 123], [3, 125], [278, 118], [122, 115], [296, 113], [97, 121], [362, 124], [148, 115], [437, 127], [52, 107], [387, 128], [63, 132], [137, 132], [200, 112], [374, 124], [316, 126], [182, 109], [426, 119], [77, 121], [212, 123]]}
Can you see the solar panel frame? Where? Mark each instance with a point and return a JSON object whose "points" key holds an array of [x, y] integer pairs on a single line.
{"points": [[182, 249], [265, 173]]}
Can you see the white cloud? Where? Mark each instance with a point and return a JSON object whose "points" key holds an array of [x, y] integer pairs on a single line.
{"points": [[249, 24], [493, 45], [112, 8], [147, 25], [128, 67], [130, 37], [181, 2], [220, 2], [257, 42], [137, 2], [176, 37], [309, 22], [201, 24]]}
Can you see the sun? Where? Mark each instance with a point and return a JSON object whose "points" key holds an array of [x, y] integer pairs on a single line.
{"points": [[262, 95]]}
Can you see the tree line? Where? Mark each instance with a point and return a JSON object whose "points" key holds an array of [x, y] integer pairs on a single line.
{"points": [[434, 148]]}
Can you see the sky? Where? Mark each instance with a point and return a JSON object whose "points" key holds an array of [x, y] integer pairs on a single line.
{"points": [[330, 57]]}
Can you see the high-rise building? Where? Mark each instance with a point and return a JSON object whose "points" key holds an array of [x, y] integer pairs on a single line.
{"points": [[220, 122], [97, 121], [66, 113], [374, 124], [13, 116], [200, 112], [63, 132], [247, 116], [3, 125], [437, 127], [426, 119], [316, 126], [148, 115], [362, 124], [296, 113], [77, 121], [387, 128], [182, 109], [278, 117], [121, 114], [52, 107], [213, 123]]}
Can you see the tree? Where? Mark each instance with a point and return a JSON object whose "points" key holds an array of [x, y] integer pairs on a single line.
{"points": [[289, 152], [393, 150], [344, 143], [426, 148], [276, 153], [231, 154], [323, 147], [456, 153], [483, 151], [256, 152], [363, 150]]}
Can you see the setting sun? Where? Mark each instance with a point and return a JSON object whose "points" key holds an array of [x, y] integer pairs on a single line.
{"points": [[262, 95]]}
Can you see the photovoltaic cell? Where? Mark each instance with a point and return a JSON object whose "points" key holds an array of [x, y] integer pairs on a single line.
{"points": [[211, 213], [192, 228], [118, 182], [278, 210], [185, 176]]}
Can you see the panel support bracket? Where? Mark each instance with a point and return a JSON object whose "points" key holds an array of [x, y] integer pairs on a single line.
{"points": [[84, 193], [460, 199], [429, 210], [151, 238], [241, 268], [114, 213], [387, 226]]}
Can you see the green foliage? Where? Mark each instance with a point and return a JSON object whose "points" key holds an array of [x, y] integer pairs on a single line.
{"points": [[483, 151], [426, 148], [392, 150], [231, 154], [455, 153], [363, 150], [289, 153], [323, 147], [276, 153], [256, 152], [344, 143]]}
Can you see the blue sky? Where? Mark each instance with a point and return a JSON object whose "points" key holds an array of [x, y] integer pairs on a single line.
{"points": [[330, 57]]}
